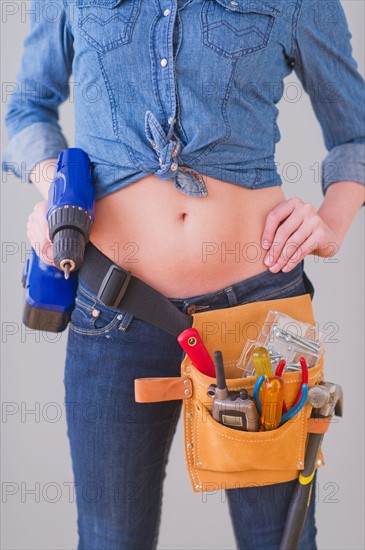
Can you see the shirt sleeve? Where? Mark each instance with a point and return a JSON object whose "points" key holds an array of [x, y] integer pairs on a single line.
{"points": [[42, 85], [322, 59]]}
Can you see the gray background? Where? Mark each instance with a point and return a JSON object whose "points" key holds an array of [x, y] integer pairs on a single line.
{"points": [[38, 508]]}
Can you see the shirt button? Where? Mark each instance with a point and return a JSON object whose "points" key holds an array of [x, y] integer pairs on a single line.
{"points": [[163, 62], [166, 12], [174, 166]]}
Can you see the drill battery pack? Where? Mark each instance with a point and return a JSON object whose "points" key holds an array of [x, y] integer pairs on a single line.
{"points": [[50, 297]]}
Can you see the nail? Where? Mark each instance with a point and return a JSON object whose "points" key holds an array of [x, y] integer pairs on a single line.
{"points": [[275, 267], [265, 245], [268, 261]]}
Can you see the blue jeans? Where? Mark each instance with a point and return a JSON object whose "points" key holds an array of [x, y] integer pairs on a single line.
{"points": [[120, 448]]}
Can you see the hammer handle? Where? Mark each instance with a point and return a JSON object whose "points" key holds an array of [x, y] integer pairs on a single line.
{"points": [[301, 497]]}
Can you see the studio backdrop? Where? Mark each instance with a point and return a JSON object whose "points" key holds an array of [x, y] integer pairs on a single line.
{"points": [[38, 497]]}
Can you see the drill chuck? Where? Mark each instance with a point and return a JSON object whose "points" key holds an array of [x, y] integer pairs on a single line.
{"points": [[69, 228], [68, 248]]}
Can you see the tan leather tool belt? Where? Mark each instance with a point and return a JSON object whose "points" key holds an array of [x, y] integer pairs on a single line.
{"points": [[220, 457]]}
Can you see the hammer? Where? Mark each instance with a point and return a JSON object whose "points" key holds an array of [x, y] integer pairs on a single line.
{"points": [[326, 400]]}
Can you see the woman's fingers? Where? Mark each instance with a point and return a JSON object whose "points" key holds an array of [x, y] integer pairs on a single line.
{"points": [[274, 219], [285, 231], [292, 248], [293, 230], [37, 232], [307, 247]]}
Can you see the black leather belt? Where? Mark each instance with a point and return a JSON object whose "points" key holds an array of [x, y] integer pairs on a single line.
{"points": [[118, 288]]}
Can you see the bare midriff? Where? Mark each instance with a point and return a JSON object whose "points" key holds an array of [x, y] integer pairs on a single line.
{"points": [[181, 245]]}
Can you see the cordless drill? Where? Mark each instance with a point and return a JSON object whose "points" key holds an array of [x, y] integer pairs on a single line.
{"points": [[50, 291]]}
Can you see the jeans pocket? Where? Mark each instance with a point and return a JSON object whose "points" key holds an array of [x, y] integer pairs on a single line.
{"points": [[233, 29], [107, 24], [91, 317]]}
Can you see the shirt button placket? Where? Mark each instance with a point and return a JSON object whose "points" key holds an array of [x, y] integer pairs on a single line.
{"points": [[167, 83]]}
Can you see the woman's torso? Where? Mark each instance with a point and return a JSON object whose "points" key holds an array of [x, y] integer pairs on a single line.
{"points": [[181, 245], [219, 110]]}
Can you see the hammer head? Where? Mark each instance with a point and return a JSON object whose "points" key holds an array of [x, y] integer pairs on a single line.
{"points": [[334, 401], [318, 396]]}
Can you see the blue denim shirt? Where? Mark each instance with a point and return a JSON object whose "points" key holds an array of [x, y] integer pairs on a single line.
{"points": [[184, 88]]}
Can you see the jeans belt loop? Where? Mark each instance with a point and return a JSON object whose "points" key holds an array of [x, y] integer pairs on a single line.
{"points": [[116, 280]]}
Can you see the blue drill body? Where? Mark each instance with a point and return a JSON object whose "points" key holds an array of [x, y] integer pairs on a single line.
{"points": [[73, 183], [50, 291]]}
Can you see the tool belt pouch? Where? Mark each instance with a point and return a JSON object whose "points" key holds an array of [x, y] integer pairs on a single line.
{"points": [[220, 457]]}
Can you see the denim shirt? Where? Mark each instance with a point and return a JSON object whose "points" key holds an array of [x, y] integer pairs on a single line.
{"points": [[184, 88]]}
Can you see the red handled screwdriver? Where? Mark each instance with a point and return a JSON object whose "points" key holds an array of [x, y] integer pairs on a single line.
{"points": [[195, 349]]}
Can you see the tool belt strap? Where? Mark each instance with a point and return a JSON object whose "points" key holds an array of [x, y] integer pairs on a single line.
{"points": [[318, 425], [152, 390], [118, 288]]}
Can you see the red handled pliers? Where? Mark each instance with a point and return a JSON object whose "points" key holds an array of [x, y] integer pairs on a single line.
{"points": [[279, 372]]}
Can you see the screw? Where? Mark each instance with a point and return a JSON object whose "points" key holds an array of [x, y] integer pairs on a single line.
{"points": [[288, 336]]}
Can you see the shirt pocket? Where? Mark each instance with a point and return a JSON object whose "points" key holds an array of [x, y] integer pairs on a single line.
{"points": [[236, 28], [107, 24]]}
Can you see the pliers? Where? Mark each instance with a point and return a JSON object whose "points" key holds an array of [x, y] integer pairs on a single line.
{"points": [[301, 396], [279, 372]]}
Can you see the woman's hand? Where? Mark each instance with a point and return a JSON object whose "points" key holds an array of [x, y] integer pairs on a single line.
{"points": [[37, 231], [293, 230]]}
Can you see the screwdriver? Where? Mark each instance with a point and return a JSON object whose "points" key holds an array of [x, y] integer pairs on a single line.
{"points": [[261, 362], [195, 349], [272, 402]]}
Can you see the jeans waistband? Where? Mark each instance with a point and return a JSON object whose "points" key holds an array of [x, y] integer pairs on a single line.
{"points": [[263, 286]]}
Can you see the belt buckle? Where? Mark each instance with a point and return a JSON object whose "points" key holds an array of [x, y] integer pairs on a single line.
{"points": [[116, 273]]}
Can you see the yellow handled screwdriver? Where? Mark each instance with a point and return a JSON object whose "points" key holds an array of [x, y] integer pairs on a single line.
{"points": [[261, 362], [272, 402]]}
